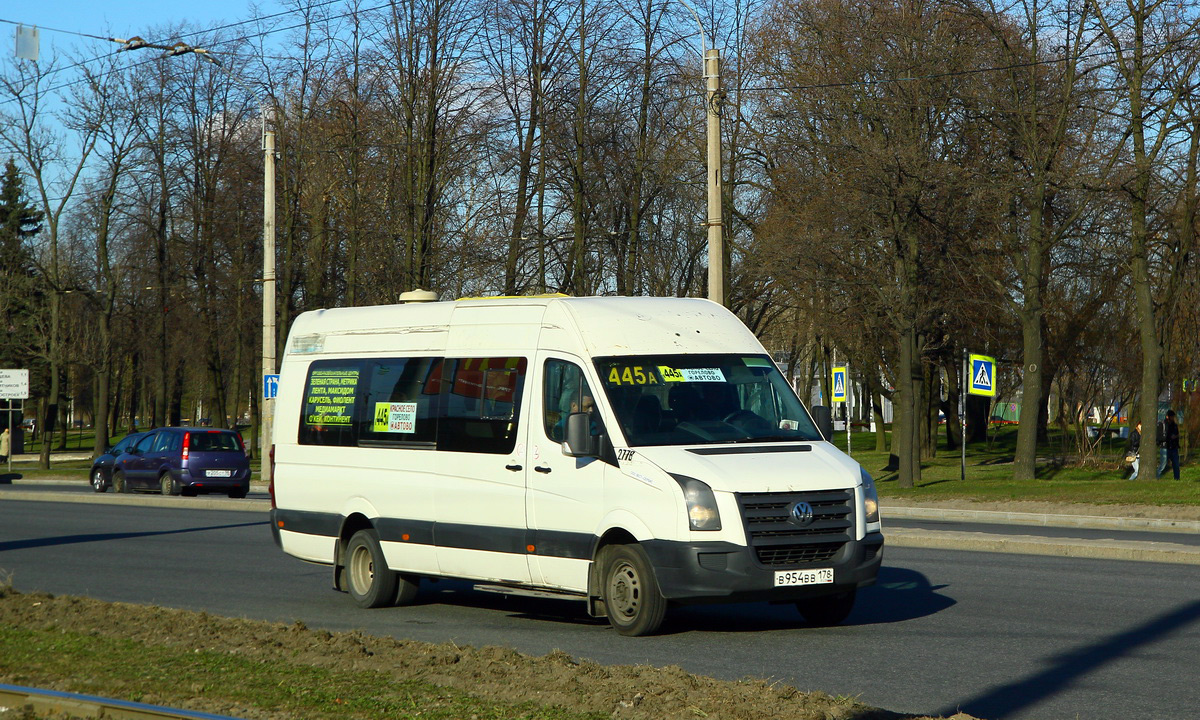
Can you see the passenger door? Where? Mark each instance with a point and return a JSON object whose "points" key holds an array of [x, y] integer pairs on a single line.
{"points": [[565, 499], [479, 495], [133, 464], [157, 459]]}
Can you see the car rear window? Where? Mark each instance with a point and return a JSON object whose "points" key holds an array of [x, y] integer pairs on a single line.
{"points": [[207, 441]]}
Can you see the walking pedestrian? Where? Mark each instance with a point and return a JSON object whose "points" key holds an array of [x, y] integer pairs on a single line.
{"points": [[1170, 445], [1135, 442], [5, 445]]}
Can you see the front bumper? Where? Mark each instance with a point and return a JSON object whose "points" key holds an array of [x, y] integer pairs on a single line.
{"points": [[702, 572]]}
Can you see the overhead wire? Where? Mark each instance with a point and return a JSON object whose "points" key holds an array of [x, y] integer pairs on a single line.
{"points": [[760, 88], [191, 34]]}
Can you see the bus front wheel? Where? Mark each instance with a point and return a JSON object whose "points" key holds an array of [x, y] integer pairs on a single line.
{"points": [[630, 592]]}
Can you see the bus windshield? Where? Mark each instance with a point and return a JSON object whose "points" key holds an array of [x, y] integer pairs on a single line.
{"points": [[703, 399]]}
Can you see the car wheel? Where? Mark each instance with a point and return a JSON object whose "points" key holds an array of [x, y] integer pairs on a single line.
{"points": [[98, 482], [119, 483], [368, 578], [238, 494], [827, 609], [630, 592], [167, 484]]}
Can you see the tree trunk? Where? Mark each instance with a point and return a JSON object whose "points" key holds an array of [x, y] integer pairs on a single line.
{"points": [[907, 427], [1032, 386]]}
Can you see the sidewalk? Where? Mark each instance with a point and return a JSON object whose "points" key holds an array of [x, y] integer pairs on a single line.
{"points": [[1034, 544], [55, 456]]}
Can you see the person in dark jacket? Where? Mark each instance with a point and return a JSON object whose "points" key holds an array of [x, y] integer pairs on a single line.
{"points": [[1135, 442], [1169, 437]]}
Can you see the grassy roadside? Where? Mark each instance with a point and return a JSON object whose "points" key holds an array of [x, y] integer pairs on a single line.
{"points": [[216, 682], [259, 670]]}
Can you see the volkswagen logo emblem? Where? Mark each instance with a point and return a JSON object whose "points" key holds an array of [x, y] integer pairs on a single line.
{"points": [[802, 514]]}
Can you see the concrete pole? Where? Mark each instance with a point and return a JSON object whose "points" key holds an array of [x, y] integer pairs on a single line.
{"points": [[268, 292], [716, 247]]}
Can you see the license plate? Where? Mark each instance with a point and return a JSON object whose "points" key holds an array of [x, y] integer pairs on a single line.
{"points": [[229, 473], [789, 578]]}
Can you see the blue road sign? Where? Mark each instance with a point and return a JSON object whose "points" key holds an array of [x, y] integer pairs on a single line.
{"points": [[270, 386], [838, 393], [983, 376]]}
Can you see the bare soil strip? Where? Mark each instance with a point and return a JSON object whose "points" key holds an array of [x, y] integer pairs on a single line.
{"points": [[495, 682]]}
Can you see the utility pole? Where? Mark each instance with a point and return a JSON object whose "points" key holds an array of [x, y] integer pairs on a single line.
{"points": [[268, 278], [268, 290], [715, 223]]}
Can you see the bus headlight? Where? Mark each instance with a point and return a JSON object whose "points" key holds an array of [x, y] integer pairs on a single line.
{"points": [[701, 503], [870, 498]]}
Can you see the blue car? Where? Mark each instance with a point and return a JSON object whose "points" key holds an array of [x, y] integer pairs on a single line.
{"points": [[102, 467], [185, 461]]}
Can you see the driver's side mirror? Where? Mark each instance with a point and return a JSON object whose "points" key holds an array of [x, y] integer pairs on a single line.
{"points": [[580, 442]]}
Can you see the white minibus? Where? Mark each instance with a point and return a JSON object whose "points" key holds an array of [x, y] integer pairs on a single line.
{"points": [[628, 452]]}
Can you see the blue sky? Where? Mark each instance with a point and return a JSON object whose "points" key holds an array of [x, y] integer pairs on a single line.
{"points": [[119, 18]]}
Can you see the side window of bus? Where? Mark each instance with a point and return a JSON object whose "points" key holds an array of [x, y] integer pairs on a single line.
{"points": [[331, 398], [481, 404], [402, 401], [565, 390]]}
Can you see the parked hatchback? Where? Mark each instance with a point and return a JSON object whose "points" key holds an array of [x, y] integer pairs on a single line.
{"points": [[102, 467], [185, 460]]}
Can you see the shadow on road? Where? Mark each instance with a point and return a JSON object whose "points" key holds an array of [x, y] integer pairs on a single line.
{"points": [[899, 594], [1064, 669], [100, 537]]}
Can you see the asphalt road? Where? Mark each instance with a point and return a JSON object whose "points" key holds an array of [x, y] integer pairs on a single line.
{"points": [[994, 635]]}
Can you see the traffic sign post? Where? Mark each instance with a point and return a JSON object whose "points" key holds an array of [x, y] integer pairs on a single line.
{"points": [[14, 385], [979, 372], [840, 393]]}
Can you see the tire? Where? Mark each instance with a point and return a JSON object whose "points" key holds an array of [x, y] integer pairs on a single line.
{"points": [[238, 494], [368, 578], [634, 605], [827, 609], [119, 483], [167, 484], [99, 484]]}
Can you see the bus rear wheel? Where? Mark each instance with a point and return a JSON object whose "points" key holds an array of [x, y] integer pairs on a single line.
{"points": [[368, 578]]}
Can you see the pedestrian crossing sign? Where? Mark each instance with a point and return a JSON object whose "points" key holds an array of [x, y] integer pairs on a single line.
{"points": [[983, 376], [838, 393]]}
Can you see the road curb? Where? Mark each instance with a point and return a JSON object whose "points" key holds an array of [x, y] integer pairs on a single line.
{"points": [[1135, 550], [1004, 517], [179, 502]]}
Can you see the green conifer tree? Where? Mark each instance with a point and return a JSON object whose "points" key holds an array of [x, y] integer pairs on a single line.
{"points": [[20, 222]]}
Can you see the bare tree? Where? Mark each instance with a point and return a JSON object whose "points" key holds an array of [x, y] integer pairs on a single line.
{"points": [[55, 161], [1156, 69]]}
